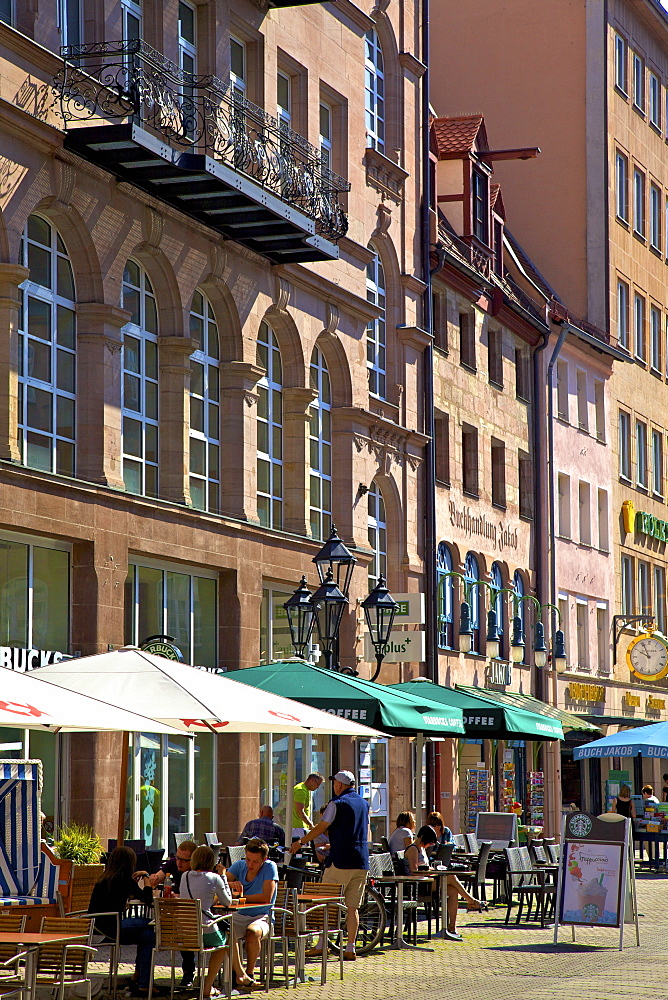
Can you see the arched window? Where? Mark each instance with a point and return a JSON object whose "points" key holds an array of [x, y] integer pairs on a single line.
{"points": [[374, 92], [269, 430], [518, 587], [498, 604], [47, 352], [204, 407], [140, 383], [375, 331], [320, 447], [445, 596], [471, 574], [377, 535]]}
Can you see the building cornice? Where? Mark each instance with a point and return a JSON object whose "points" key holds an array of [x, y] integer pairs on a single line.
{"points": [[328, 291]]}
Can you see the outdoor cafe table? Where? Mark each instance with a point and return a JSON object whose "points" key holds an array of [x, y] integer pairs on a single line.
{"points": [[31, 940], [399, 881]]}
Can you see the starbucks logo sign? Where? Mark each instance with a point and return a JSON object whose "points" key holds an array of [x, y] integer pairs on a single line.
{"points": [[162, 645], [579, 825]]}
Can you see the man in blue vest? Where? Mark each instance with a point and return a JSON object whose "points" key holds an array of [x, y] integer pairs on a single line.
{"points": [[346, 819]]}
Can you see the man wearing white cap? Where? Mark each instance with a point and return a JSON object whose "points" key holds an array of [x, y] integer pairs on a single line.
{"points": [[346, 818]]}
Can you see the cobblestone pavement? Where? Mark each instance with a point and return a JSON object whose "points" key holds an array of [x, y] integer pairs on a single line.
{"points": [[514, 963]]}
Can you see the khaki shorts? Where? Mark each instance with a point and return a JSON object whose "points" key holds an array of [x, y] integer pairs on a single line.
{"points": [[353, 881], [242, 922]]}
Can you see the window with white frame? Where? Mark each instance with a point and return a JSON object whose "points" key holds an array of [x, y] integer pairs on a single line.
{"points": [[655, 213], [374, 92], [622, 186], [655, 338], [564, 621], [621, 71], [564, 488], [377, 534], [657, 462], [639, 326], [131, 12], [326, 135], [269, 430], [445, 596], [603, 525], [473, 595], [655, 101], [47, 352], [275, 641], [140, 383], [69, 21], [639, 202], [518, 605], [623, 314], [204, 406], [238, 67], [602, 639], [34, 593], [644, 594], [582, 625], [284, 99], [583, 402], [497, 603], [641, 454], [480, 205], [562, 391], [638, 82], [584, 506], [170, 600], [628, 589], [7, 11], [599, 409], [375, 332], [187, 43], [624, 445], [320, 434], [660, 599]]}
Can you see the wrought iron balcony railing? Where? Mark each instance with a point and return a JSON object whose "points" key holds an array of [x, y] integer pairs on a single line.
{"points": [[129, 81]]}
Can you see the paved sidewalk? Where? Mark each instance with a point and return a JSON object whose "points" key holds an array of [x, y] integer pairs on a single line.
{"points": [[513, 963]]}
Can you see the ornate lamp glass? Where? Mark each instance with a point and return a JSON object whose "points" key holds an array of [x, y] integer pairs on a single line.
{"points": [[465, 630], [517, 644], [380, 609], [329, 604], [336, 557], [539, 647], [301, 618], [493, 644], [559, 651]]}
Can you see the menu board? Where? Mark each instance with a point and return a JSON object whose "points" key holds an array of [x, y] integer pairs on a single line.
{"points": [[500, 828]]}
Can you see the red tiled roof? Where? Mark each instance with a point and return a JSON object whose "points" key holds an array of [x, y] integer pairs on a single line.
{"points": [[458, 135]]}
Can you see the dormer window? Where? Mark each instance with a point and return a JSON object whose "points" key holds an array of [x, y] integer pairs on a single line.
{"points": [[480, 205]]}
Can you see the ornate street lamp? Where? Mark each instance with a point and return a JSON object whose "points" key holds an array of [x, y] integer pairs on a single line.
{"points": [[559, 651], [493, 644], [465, 630], [379, 610], [334, 556], [517, 643], [539, 647], [301, 618], [329, 604]]}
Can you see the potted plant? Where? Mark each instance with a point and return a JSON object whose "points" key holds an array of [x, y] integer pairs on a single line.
{"points": [[83, 848]]}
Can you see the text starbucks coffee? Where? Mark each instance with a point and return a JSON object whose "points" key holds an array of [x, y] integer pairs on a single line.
{"points": [[29, 659]]}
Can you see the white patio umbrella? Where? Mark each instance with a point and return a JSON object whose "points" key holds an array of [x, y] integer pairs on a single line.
{"points": [[28, 701]]}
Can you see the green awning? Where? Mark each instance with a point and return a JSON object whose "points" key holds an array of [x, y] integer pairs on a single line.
{"points": [[485, 718], [568, 720], [395, 712]]}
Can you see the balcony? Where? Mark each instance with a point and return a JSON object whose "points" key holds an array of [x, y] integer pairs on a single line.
{"points": [[207, 151]]}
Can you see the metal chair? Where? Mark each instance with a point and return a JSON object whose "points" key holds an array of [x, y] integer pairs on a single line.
{"points": [[527, 884], [472, 843], [102, 940], [282, 931], [61, 965], [212, 840], [178, 927], [460, 841], [553, 852], [180, 837], [236, 852], [475, 880]]}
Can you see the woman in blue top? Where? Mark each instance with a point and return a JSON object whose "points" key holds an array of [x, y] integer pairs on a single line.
{"points": [[256, 879]]}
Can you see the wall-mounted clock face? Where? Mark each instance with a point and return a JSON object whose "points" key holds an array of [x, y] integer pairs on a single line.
{"points": [[647, 657]]}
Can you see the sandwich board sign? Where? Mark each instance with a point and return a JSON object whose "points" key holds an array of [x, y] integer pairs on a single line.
{"points": [[596, 886]]}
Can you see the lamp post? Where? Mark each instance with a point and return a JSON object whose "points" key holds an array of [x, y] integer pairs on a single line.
{"points": [[335, 556], [379, 610], [329, 604], [301, 618]]}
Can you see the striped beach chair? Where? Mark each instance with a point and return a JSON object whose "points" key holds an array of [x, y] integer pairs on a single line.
{"points": [[28, 876]]}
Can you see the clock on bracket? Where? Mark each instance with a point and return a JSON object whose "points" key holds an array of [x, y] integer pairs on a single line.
{"points": [[647, 657]]}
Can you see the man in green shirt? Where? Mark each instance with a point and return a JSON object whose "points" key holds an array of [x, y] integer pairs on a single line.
{"points": [[301, 812]]}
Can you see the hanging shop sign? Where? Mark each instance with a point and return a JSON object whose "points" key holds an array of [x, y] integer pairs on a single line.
{"points": [[585, 692], [643, 523], [498, 674], [403, 647], [29, 659], [410, 609], [162, 645]]}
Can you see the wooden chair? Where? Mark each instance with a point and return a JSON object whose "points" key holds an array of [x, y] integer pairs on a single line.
{"points": [[104, 941], [84, 878], [10, 923], [283, 930], [62, 965], [178, 927], [310, 922]]}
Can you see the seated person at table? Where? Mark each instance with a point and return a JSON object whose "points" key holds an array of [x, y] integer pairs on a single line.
{"points": [[205, 881], [402, 837], [444, 834], [111, 893], [264, 828], [416, 855], [256, 879]]}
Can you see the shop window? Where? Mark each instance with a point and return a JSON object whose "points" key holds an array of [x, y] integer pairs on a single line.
{"points": [[140, 383], [564, 485], [320, 440], [377, 534], [474, 597], [376, 348], [275, 641], [445, 596], [374, 92], [467, 340], [47, 352], [34, 595], [204, 407], [160, 601], [269, 430], [470, 460], [562, 391], [498, 473]]}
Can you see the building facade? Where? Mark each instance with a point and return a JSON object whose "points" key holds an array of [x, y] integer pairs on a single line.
{"points": [[212, 294]]}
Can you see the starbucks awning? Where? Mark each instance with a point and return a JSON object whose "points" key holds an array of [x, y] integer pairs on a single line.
{"points": [[568, 720], [398, 713], [486, 718]]}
